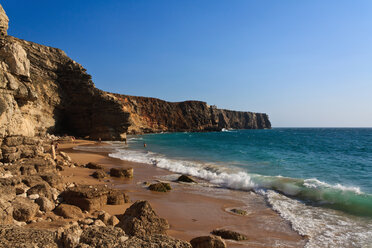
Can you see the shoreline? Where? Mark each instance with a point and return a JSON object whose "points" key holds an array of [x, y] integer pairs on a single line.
{"points": [[191, 210]]}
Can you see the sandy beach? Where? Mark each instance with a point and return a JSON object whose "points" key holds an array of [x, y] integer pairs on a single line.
{"points": [[191, 209]]}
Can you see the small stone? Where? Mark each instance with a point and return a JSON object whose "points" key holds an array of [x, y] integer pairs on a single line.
{"points": [[99, 223], [45, 204], [121, 172], [94, 166], [227, 234], [113, 221], [186, 179], [239, 211], [208, 242], [69, 211], [160, 187], [33, 196], [99, 174]]}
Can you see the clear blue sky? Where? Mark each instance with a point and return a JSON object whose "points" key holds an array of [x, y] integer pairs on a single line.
{"points": [[305, 63]]}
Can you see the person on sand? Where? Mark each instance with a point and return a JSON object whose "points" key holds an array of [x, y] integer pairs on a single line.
{"points": [[144, 145]]}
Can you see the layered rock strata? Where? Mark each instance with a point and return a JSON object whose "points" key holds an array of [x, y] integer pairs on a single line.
{"points": [[43, 91], [148, 115]]}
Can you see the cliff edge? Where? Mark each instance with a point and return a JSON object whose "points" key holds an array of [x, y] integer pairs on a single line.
{"points": [[149, 115], [43, 91]]}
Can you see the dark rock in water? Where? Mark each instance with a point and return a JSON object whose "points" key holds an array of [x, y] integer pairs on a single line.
{"points": [[227, 234], [141, 220], [24, 209], [68, 211], [239, 211], [121, 172], [89, 198], [208, 242], [160, 187], [13, 236], [117, 197], [99, 174], [186, 179], [94, 166]]}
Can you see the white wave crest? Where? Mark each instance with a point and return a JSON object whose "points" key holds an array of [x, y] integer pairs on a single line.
{"points": [[216, 175], [315, 183]]}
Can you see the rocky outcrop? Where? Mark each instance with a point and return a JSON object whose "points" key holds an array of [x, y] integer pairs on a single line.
{"points": [[148, 115], [227, 234], [208, 242], [141, 220], [43, 91]]}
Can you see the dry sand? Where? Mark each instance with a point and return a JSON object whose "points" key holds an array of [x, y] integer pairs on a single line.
{"points": [[191, 210]]}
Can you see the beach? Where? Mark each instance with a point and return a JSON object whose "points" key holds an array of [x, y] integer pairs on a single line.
{"points": [[191, 209]]}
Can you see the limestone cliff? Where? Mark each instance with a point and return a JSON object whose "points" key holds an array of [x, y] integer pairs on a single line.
{"points": [[43, 91], [149, 115]]}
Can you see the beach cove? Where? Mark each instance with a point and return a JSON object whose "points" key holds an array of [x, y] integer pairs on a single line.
{"points": [[191, 210]]}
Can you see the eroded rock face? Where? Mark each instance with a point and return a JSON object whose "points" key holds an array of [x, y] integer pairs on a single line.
{"points": [[154, 115], [4, 21], [12, 236], [141, 220]]}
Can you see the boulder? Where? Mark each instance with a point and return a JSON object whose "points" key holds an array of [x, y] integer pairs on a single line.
{"points": [[140, 220], [42, 189], [14, 236], [14, 140], [65, 156], [24, 209], [69, 211], [208, 242], [45, 204], [227, 234], [70, 237], [6, 212], [117, 197], [160, 187], [158, 241], [16, 58], [239, 211], [86, 197], [54, 180], [101, 236], [99, 174], [121, 172], [94, 166], [186, 179], [112, 221]]}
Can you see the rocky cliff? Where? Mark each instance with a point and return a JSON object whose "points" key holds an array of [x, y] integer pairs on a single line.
{"points": [[147, 115], [43, 91]]}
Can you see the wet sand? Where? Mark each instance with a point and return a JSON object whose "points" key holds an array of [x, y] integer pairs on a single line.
{"points": [[191, 210]]}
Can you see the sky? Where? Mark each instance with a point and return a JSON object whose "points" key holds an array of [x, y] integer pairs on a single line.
{"points": [[305, 63]]}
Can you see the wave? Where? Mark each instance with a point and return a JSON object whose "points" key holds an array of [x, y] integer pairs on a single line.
{"points": [[311, 191], [322, 226]]}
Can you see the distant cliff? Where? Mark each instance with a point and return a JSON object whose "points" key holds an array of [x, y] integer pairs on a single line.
{"points": [[43, 91], [147, 115]]}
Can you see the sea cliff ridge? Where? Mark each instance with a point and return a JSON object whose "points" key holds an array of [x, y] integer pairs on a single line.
{"points": [[44, 91]]}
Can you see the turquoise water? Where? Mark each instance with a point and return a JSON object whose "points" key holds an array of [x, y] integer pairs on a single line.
{"points": [[330, 167]]}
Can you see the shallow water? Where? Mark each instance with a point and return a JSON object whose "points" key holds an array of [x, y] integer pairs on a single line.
{"points": [[319, 179]]}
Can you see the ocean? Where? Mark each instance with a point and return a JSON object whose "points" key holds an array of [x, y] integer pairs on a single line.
{"points": [[319, 179]]}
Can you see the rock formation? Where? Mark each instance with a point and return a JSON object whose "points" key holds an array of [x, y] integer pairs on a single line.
{"points": [[148, 115], [43, 91]]}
